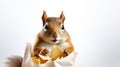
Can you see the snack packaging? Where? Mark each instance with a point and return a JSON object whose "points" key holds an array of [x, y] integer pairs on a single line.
{"points": [[67, 61]]}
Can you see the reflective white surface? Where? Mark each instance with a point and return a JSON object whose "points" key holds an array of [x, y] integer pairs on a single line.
{"points": [[94, 26]]}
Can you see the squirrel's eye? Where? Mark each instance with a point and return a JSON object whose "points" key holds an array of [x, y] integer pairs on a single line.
{"points": [[46, 27], [62, 27]]}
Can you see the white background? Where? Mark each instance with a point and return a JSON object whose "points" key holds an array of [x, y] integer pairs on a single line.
{"points": [[94, 27]]}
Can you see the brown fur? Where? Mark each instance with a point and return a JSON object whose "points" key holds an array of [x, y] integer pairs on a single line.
{"points": [[15, 61], [54, 27], [70, 47]]}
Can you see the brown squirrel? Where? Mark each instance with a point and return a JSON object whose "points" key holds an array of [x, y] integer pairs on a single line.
{"points": [[53, 33]]}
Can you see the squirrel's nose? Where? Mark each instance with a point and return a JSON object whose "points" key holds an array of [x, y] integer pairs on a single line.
{"points": [[54, 35]]}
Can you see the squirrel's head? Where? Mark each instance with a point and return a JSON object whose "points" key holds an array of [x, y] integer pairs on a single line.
{"points": [[53, 29]]}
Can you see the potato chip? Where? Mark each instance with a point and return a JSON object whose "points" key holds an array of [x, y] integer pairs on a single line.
{"points": [[56, 52], [36, 60], [44, 57]]}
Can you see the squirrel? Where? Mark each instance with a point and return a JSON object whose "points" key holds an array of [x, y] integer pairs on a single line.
{"points": [[53, 33]]}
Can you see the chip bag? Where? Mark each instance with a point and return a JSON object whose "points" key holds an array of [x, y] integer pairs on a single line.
{"points": [[53, 59]]}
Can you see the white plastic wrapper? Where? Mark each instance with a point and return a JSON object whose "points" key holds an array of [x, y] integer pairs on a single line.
{"points": [[68, 61]]}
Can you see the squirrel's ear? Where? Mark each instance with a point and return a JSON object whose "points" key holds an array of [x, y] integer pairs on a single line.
{"points": [[44, 17], [62, 17]]}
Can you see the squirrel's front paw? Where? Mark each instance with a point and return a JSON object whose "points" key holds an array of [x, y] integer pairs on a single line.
{"points": [[44, 51], [67, 52]]}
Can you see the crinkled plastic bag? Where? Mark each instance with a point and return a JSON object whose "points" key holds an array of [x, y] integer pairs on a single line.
{"points": [[68, 61]]}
